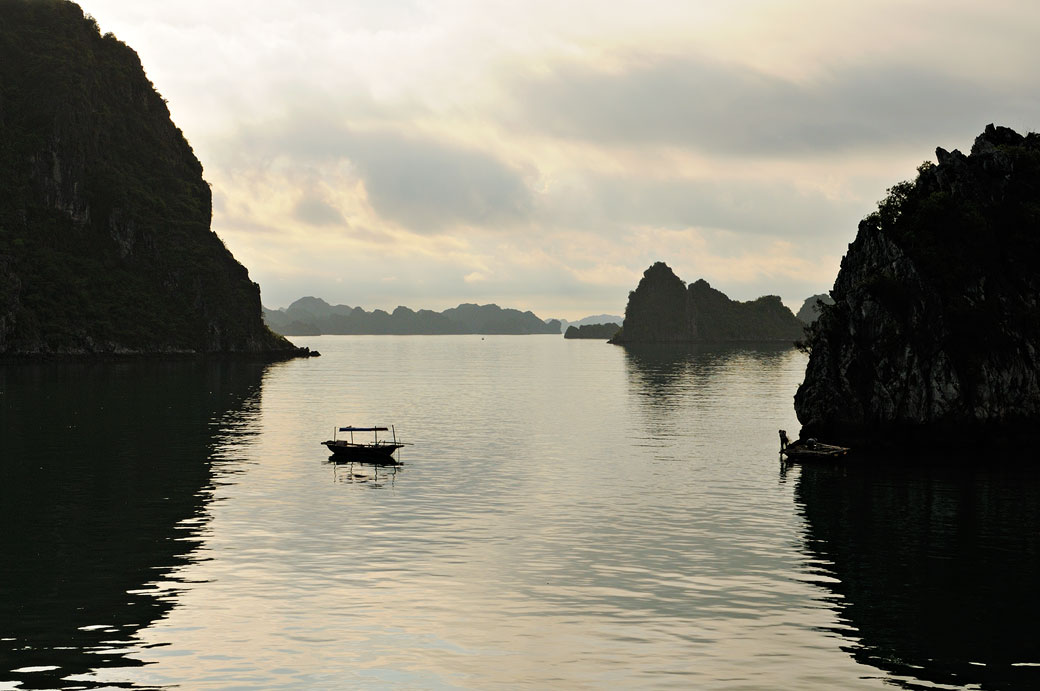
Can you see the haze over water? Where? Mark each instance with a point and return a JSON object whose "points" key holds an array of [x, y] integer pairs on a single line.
{"points": [[571, 515]]}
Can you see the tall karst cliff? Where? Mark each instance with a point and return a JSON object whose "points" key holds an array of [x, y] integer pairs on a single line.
{"points": [[935, 330], [105, 240], [662, 309]]}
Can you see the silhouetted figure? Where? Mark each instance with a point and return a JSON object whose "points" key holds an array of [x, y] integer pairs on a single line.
{"points": [[783, 439]]}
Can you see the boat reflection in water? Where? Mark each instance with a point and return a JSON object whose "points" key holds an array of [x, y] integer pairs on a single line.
{"points": [[935, 569], [373, 475]]}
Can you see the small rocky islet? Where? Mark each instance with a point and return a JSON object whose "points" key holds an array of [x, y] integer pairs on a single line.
{"points": [[601, 332], [810, 309], [663, 309]]}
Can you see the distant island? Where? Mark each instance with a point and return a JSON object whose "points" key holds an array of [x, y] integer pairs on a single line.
{"points": [[592, 319], [600, 331], [311, 316], [105, 239], [810, 310], [663, 310], [934, 337]]}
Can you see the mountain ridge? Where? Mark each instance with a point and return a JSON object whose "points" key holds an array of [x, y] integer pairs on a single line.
{"points": [[314, 316]]}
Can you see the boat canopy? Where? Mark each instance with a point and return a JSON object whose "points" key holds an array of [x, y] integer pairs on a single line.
{"points": [[364, 429]]}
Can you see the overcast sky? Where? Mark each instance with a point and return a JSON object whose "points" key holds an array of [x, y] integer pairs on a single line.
{"points": [[542, 154]]}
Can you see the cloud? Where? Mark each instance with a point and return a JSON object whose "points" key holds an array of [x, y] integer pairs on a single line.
{"points": [[725, 108], [769, 207], [423, 183], [315, 212]]}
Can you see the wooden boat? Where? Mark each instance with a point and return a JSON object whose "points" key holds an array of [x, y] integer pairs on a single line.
{"points": [[375, 451], [809, 449]]}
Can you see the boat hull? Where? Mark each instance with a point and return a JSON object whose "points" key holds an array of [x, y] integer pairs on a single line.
{"points": [[818, 452], [373, 453]]}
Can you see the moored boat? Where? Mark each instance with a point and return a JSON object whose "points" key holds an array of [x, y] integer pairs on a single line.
{"points": [[809, 449], [375, 451]]}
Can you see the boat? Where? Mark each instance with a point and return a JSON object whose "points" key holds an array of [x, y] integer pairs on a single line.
{"points": [[376, 451], [809, 449]]}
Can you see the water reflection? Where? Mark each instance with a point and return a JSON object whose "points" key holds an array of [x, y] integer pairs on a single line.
{"points": [[709, 392], [106, 477], [661, 369], [373, 475], [935, 570]]}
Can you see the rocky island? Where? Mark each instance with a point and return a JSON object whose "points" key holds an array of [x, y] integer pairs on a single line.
{"points": [[595, 331], [663, 310], [105, 239], [810, 310], [934, 337]]}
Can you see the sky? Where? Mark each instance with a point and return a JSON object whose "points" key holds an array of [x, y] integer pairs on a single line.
{"points": [[541, 155]]}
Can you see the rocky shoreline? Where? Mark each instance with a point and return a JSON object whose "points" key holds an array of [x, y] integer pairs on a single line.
{"points": [[135, 356]]}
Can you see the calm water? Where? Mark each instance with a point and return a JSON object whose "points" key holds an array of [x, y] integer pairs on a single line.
{"points": [[571, 515]]}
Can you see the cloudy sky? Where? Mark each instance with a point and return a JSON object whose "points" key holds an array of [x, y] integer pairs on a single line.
{"points": [[542, 154]]}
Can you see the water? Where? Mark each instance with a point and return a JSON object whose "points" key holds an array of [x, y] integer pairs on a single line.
{"points": [[571, 515]]}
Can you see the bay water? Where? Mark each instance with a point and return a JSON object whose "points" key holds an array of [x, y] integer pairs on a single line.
{"points": [[569, 514]]}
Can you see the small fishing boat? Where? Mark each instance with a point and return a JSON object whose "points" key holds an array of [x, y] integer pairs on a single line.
{"points": [[809, 449], [376, 451]]}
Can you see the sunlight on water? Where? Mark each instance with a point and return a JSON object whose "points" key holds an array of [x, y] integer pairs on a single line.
{"points": [[570, 514]]}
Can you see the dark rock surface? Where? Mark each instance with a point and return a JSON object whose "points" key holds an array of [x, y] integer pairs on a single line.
{"points": [[934, 336], [105, 240], [663, 310]]}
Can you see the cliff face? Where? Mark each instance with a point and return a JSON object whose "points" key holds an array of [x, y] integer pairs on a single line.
{"points": [[105, 240], [663, 310], [935, 330]]}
